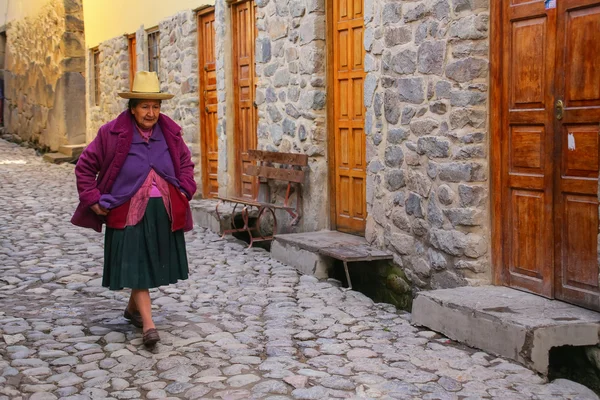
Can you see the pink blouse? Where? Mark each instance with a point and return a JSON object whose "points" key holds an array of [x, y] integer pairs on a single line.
{"points": [[153, 186]]}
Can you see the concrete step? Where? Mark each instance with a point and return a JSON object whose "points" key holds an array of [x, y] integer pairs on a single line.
{"points": [[302, 250], [57, 158], [513, 324], [73, 150]]}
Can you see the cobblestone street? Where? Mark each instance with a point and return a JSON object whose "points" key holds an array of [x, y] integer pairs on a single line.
{"points": [[242, 327]]}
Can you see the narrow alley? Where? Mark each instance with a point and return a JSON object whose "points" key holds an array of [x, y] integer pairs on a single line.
{"points": [[241, 327]]}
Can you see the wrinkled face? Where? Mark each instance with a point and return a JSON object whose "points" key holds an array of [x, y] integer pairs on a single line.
{"points": [[146, 113]]}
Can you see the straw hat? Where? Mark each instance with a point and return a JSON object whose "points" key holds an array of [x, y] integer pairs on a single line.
{"points": [[145, 86]]}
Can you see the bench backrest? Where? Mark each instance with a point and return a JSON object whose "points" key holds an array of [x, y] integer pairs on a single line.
{"points": [[290, 165]]}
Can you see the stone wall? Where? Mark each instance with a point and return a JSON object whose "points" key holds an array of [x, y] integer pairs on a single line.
{"points": [[114, 78], [426, 93], [44, 83], [290, 61], [224, 85], [291, 93], [178, 74]]}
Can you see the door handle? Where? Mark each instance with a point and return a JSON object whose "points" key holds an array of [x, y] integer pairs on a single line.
{"points": [[560, 109], [206, 108], [206, 68], [254, 104]]}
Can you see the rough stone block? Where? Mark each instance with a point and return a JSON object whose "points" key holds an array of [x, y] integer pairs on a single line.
{"points": [[468, 69], [394, 179], [431, 57], [414, 205], [476, 245], [391, 103], [465, 98], [468, 48], [312, 28], [464, 216], [451, 242], [404, 244], [392, 12], [433, 147], [470, 27], [415, 12], [394, 157], [370, 86], [400, 219], [422, 127], [397, 135], [434, 213], [461, 117], [411, 90], [470, 151], [440, 9], [405, 62], [418, 182], [397, 36], [445, 195], [312, 57]]}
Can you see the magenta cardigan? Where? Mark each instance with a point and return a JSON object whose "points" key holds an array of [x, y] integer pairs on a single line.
{"points": [[102, 160]]}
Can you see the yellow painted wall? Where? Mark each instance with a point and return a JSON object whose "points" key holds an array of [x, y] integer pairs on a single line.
{"points": [[106, 19], [11, 10]]}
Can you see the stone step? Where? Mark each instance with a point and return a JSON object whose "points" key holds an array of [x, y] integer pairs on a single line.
{"points": [[513, 324], [303, 250], [72, 150], [57, 158]]}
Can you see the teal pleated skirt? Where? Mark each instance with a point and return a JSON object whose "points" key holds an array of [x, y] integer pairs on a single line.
{"points": [[146, 255]]}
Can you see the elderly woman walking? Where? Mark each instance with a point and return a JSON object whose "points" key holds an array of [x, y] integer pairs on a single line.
{"points": [[137, 177]]}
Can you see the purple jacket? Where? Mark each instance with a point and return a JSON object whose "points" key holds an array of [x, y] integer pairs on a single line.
{"points": [[102, 160]]}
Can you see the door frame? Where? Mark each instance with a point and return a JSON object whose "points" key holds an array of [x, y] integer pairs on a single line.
{"points": [[331, 118], [201, 105], [237, 167], [495, 114], [330, 115]]}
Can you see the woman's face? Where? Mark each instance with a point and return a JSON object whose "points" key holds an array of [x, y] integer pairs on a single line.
{"points": [[146, 113]]}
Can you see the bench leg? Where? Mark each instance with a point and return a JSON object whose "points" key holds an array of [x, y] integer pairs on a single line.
{"points": [[261, 212], [347, 275], [246, 218]]}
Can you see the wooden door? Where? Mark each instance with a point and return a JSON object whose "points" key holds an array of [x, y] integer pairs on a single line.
{"points": [[349, 166], [208, 102], [550, 164], [577, 84], [244, 34], [132, 59]]}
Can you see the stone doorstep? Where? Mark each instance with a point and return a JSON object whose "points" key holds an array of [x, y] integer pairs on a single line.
{"points": [[56, 158], [509, 323], [66, 153], [304, 251], [72, 150]]}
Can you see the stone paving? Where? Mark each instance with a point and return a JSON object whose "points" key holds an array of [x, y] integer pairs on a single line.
{"points": [[242, 327]]}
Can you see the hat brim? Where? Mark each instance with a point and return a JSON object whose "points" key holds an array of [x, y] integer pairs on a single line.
{"points": [[145, 96]]}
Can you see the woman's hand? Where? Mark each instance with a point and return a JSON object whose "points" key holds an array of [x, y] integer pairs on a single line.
{"points": [[99, 210]]}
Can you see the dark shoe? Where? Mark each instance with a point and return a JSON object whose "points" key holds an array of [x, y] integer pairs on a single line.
{"points": [[135, 319], [150, 337]]}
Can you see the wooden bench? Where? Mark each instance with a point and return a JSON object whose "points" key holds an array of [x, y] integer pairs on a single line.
{"points": [[289, 170]]}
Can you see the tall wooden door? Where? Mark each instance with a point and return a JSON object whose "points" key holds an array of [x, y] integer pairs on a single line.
{"points": [[349, 167], [551, 124], [244, 34], [208, 102]]}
